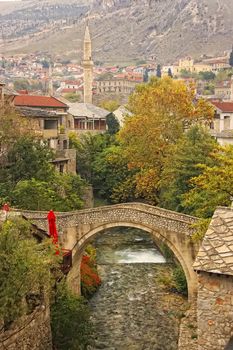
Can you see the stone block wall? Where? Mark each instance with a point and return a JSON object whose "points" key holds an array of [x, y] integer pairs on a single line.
{"points": [[188, 330], [214, 311], [32, 332]]}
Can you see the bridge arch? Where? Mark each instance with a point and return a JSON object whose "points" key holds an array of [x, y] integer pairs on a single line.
{"points": [[177, 244], [79, 227], [90, 235]]}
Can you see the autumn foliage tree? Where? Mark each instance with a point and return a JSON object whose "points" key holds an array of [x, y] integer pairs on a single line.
{"points": [[161, 111]]}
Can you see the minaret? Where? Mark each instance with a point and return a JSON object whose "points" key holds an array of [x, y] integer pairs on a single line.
{"points": [[87, 67]]}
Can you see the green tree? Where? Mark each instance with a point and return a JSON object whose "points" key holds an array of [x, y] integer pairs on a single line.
{"points": [[207, 76], [63, 192], [21, 84], [145, 76], [29, 157], [24, 270], [12, 128], [158, 71], [33, 195], [72, 97], [193, 148], [169, 73], [112, 124], [111, 175], [214, 186], [231, 58], [88, 146]]}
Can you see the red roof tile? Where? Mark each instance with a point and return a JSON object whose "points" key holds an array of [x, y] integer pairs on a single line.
{"points": [[223, 106], [38, 101]]}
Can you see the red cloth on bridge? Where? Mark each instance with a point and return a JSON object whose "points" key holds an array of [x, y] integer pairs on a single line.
{"points": [[52, 226], [6, 207]]}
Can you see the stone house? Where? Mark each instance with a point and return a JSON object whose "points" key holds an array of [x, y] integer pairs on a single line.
{"points": [[222, 125], [214, 265], [50, 120], [223, 90], [88, 118], [121, 84], [120, 113]]}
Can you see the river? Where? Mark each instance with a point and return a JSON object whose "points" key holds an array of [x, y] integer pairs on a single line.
{"points": [[132, 310]]}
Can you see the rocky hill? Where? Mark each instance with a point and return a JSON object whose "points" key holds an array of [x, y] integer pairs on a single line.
{"points": [[122, 30]]}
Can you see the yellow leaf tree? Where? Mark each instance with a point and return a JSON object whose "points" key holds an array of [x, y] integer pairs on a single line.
{"points": [[161, 110]]}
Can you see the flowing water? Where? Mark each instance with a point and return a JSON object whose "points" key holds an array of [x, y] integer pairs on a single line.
{"points": [[132, 310]]}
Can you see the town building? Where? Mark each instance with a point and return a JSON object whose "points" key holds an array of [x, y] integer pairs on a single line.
{"points": [[50, 120], [116, 86], [223, 90], [222, 125], [121, 113], [88, 118]]}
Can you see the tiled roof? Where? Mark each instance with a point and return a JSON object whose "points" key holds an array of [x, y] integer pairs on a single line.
{"points": [[37, 112], [87, 110], [38, 101], [223, 106], [216, 252]]}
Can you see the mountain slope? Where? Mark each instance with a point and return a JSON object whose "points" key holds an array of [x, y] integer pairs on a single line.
{"points": [[126, 30]]}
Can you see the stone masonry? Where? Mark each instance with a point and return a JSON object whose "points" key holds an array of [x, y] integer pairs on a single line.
{"points": [[31, 332], [214, 265], [77, 228]]}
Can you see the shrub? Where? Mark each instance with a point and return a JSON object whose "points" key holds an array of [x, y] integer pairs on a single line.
{"points": [[24, 270], [70, 320], [90, 280], [180, 280]]}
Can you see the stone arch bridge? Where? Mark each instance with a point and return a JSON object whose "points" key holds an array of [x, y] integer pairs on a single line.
{"points": [[77, 228]]}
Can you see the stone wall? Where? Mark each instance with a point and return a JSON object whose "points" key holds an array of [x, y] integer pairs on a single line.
{"points": [[214, 311], [188, 330], [31, 332]]}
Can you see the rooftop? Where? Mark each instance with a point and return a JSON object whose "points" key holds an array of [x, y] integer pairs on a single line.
{"points": [[216, 252], [87, 110], [38, 101], [223, 106], [37, 113]]}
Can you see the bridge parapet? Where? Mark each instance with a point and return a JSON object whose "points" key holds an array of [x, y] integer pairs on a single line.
{"points": [[129, 211]]}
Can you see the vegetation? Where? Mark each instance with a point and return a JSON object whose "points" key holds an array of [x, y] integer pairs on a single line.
{"points": [[181, 165], [213, 186], [180, 280], [72, 97], [161, 111], [90, 279], [24, 270], [112, 124], [70, 320], [109, 105], [158, 71], [28, 180], [231, 58]]}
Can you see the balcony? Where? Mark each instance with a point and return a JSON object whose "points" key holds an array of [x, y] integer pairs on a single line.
{"points": [[50, 133]]}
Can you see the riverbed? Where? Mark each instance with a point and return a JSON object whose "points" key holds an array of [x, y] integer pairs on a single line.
{"points": [[133, 309]]}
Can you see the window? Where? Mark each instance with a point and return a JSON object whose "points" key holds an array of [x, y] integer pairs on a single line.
{"points": [[61, 168], [50, 124]]}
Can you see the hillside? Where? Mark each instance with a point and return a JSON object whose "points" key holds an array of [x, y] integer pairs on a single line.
{"points": [[122, 30]]}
